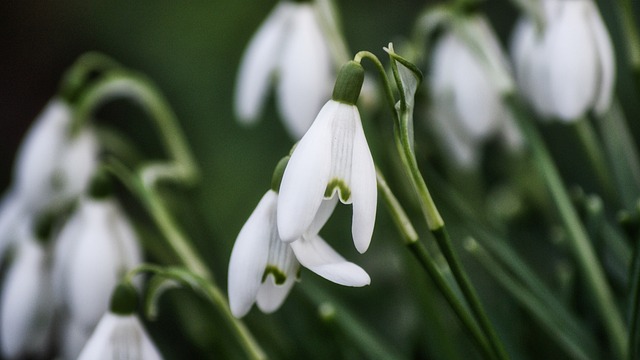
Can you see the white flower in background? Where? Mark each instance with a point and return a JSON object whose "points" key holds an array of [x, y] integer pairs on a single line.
{"points": [[263, 268], [469, 75], [332, 159], [291, 49], [567, 68], [120, 337], [94, 249], [26, 312], [51, 168]]}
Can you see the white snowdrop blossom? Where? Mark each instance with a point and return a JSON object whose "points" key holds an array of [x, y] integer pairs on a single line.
{"points": [[263, 268], [26, 312], [567, 68], [120, 337], [94, 249], [289, 47], [469, 75], [51, 168], [332, 159]]}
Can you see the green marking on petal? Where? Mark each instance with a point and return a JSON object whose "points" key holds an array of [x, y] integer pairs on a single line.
{"points": [[343, 190], [279, 275]]}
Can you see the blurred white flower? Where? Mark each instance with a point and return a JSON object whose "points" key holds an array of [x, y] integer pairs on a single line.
{"points": [[120, 337], [289, 47], [51, 168], [26, 312], [469, 75], [567, 68], [263, 268], [94, 249]]}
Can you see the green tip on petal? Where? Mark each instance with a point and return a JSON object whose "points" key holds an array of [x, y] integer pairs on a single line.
{"points": [[348, 83], [100, 186], [124, 299], [338, 185], [44, 226], [278, 172], [278, 275]]}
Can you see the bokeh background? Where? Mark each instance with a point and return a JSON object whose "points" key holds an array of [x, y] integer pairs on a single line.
{"points": [[191, 50]]}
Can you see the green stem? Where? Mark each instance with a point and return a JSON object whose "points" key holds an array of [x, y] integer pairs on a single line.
{"points": [[630, 30], [78, 75], [406, 229], [579, 240]]}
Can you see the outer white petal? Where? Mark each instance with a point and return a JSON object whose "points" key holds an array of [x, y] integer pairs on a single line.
{"points": [[259, 63], [121, 337], [306, 176], [605, 56], [462, 148], [363, 189], [522, 46], [305, 72], [316, 255], [77, 163], [476, 97], [64, 250], [38, 154], [26, 310], [271, 295], [572, 63], [97, 264], [249, 256]]}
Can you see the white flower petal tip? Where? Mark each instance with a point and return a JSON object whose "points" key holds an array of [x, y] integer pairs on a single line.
{"points": [[262, 267], [316, 255], [116, 336], [568, 69], [332, 159], [280, 46]]}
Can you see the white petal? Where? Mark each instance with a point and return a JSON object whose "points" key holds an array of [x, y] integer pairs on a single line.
{"points": [[305, 72], [38, 154], [76, 165], [64, 250], [271, 295], [249, 256], [363, 190], [72, 339], [462, 148], [306, 176], [606, 57], [572, 63], [27, 311], [259, 63], [121, 337], [316, 255], [97, 264]]}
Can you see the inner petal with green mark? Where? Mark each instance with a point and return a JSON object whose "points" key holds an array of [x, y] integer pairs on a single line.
{"points": [[340, 186]]}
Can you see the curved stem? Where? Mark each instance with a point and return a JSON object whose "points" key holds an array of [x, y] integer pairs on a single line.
{"points": [[77, 76]]}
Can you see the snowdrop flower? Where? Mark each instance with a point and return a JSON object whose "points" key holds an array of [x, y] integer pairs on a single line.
{"points": [[94, 249], [263, 268], [332, 159], [26, 311], [51, 168], [466, 87], [567, 68], [120, 335], [291, 48]]}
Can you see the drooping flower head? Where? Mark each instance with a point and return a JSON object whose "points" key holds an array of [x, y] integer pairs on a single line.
{"points": [[94, 249], [331, 160], [469, 75], [567, 67], [291, 49], [263, 268], [120, 334]]}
